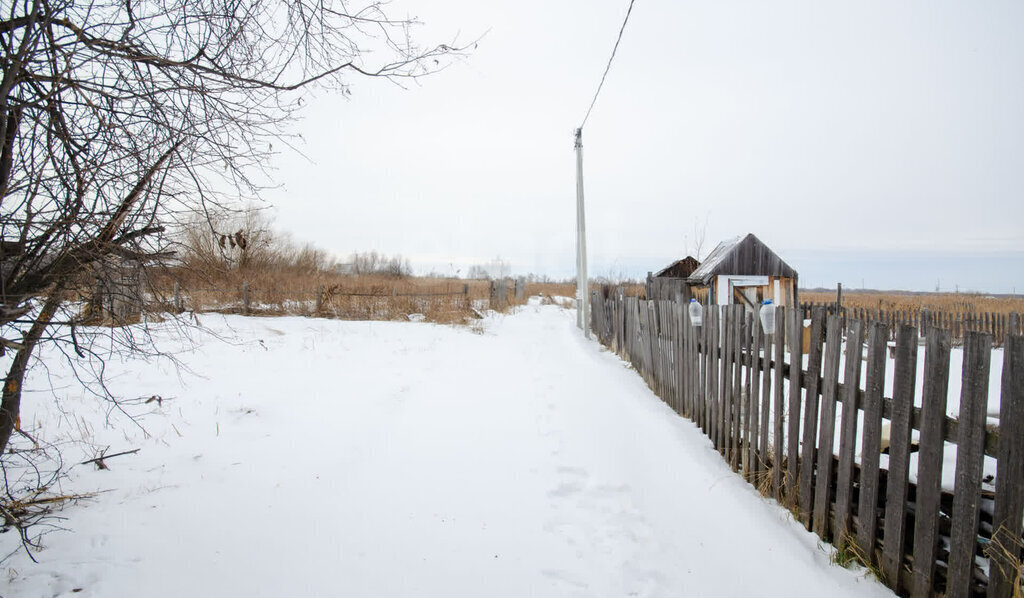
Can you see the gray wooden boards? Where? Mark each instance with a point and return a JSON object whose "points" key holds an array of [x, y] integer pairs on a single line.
{"points": [[1009, 500], [895, 527], [874, 387], [970, 456], [929, 462]]}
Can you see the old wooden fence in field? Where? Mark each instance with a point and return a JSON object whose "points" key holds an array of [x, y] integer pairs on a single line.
{"points": [[794, 431], [999, 325]]}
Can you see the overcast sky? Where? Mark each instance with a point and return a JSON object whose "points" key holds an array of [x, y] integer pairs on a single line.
{"points": [[871, 143]]}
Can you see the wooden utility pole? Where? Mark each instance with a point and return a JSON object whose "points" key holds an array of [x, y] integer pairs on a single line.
{"points": [[582, 291]]}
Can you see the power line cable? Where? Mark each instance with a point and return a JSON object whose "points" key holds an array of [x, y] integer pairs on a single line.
{"points": [[607, 68]]}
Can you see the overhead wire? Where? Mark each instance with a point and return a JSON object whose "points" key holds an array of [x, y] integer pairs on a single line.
{"points": [[609, 66]]}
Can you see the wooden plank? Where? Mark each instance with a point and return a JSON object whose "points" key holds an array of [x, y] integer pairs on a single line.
{"points": [[698, 374], [874, 385], [929, 462], [724, 386], [739, 317], [766, 405], [713, 403], [705, 362], [897, 484], [970, 458], [1009, 500], [842, 529], [755, 397], [812, 380], [778, 401], [827, 426], [796, 337], [748, 406], [682, 363]]}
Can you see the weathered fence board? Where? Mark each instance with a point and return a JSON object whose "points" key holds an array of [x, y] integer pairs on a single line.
{"points": [[874, 387], [794, 323], [929, 462], [778, 378], [842, 529], [826, 436], [970, 458], [810, 439], [1009, 500], [895, 528]]}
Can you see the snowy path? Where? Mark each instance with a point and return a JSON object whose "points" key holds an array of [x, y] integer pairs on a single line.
{"points": [[327, 458]]}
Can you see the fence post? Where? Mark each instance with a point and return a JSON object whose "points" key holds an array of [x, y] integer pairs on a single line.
{"points": [[177, 298], [245, 297], [319, 298]]}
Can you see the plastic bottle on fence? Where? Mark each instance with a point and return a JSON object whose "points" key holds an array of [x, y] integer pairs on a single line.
{"points": [[696, 313], [768, 317]]}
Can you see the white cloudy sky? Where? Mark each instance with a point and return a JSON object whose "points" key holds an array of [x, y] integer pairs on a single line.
{"points": [[869, 143]]}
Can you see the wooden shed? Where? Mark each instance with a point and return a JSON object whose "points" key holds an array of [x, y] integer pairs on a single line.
{"points": [[745, 271], [670, 281], [679, 269]]}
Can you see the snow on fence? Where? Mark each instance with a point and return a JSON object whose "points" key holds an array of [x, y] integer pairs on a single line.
{"points": [[777, 426], [999, 325]]}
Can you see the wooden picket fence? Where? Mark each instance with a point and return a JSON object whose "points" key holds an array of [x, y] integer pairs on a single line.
{"points": [[777, 425], [999, 325]]}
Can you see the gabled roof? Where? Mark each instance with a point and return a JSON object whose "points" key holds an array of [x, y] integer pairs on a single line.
{"points": [[679, 268], [741, 256]]}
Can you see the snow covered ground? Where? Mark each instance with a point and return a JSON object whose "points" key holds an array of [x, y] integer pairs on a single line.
{"points": [[314, 457]]}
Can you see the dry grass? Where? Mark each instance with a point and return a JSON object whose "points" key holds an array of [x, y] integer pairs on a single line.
{"points": [[941, 302], [369, 297], [1004, 552]]}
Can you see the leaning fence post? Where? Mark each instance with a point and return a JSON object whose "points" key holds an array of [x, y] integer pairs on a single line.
{"points": [[245, 297]]}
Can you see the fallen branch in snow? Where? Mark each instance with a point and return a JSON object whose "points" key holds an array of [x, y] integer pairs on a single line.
{"points": [[99, 460]]}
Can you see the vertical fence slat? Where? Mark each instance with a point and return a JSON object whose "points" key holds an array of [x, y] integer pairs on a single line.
{"points": [[929, 463], [1009, 501], [766, 405], [748, 405], [895, 527], [728, 321], [714, 407], [970, 456], [810, 431], [796, 337], [874, 388], [848, 434], [739, 315], [826, 435], [755, 396], [778, 401]]}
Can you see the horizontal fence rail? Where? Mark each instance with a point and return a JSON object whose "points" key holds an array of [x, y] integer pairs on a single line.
{"points": [[899, 486]]}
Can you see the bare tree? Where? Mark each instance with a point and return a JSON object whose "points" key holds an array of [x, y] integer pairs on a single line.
{"points": [[118, 117], [700, 233]]}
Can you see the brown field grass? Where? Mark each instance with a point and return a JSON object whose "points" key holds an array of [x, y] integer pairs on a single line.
{"points": [[368, 297], [955, 303]]}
